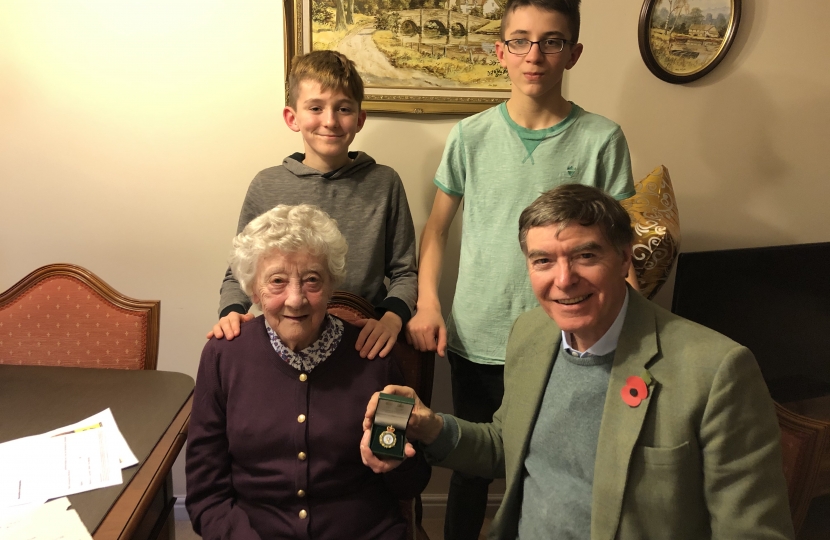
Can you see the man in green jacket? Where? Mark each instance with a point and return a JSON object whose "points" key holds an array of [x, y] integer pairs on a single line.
{"points": [[619, 419]]}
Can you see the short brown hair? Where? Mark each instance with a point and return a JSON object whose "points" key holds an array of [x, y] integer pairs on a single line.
{"points": [[329, 68], [584, 205], [568, 8]]}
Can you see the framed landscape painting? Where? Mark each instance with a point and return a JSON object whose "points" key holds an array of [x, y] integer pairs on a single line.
{"points": [[415, 56], [683, 40]]}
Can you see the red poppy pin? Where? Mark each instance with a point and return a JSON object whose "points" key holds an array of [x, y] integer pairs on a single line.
{"points": [[636, 389]]}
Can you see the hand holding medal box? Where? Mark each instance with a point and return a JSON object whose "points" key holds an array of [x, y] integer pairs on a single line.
{"points": [[389, 425]]}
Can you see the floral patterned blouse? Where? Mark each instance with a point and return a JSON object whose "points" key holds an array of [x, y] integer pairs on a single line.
{"points": [[310, 357]]}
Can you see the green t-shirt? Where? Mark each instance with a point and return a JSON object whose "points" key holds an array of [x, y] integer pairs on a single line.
{"points": [[499, 168]]}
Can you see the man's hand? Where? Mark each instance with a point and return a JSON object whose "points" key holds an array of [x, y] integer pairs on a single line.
{"points": [[426, 331], [381, 465], [424, 425], [228, 326], [378, 336]]}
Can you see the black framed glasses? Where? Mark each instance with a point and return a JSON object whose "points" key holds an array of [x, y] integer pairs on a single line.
{"points": [[547, 46]]}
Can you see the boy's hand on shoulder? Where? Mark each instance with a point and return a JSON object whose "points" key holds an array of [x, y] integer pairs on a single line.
{"points": [[426, 331], [378, 336], [228, 326]]}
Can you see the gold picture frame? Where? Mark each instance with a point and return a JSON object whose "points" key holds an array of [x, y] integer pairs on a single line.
{"points": [[454, 40]]}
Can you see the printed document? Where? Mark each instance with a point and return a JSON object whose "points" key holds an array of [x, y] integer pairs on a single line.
{"points": [[83, 456]]}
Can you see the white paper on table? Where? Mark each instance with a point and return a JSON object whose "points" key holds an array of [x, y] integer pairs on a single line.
{"points": [[48, 466], [51, 521], [13, 489], [114, 436], [11, 512]]}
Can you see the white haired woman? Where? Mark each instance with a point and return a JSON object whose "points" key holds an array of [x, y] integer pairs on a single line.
{"points": [[273, 446]]}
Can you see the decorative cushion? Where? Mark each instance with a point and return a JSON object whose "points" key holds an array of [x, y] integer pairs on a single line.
{"points": [[656, 224]]}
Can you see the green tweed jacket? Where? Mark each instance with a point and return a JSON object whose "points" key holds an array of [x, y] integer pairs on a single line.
{"points": [[699, 458]]}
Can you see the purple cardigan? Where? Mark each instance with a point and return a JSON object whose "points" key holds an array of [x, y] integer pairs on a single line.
{"points": [[258, 469]]}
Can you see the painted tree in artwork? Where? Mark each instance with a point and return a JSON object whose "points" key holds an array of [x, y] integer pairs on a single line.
{"points": [[721, 24], [320, 14], [339, 16], [350, 12], [695, 16], [676, 8]]}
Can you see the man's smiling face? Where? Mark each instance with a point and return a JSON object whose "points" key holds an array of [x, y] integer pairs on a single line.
{"points": [[578, 278]]}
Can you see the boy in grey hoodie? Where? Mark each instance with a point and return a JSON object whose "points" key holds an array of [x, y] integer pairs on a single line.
{"points": [[367, 200]]}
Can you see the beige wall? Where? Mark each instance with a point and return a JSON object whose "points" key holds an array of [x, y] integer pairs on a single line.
{"points": [[746, 145], [129, 132]]}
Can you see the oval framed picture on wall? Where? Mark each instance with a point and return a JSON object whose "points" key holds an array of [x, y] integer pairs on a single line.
{"points": [[683, 40]]}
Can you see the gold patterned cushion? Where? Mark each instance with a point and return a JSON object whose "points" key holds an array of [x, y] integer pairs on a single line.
{"points": [[656, 224]]}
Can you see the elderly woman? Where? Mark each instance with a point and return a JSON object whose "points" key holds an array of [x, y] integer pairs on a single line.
{"points": [[273, 449]]}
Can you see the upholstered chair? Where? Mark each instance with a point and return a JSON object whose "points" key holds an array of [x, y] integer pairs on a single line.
{"points": [[64, 315]]}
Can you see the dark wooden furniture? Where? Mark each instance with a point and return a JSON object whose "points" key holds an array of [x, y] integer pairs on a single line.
{"points": [[772, 299], [418, 370], [152, 410], [64, 315], [775, 301], [805, 444]]}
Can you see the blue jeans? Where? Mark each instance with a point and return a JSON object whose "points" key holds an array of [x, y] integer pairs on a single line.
{"points": [[477, 390]]}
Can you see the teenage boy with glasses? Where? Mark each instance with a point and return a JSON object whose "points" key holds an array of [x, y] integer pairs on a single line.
{"points": [[499, 161]]}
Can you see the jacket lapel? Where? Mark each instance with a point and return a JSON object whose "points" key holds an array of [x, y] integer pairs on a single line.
{"points": [[534, 376], [531, 378], [621, 424]]}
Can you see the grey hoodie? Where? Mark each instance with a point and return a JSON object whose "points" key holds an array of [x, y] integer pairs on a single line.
{"points": [[368, 202]]}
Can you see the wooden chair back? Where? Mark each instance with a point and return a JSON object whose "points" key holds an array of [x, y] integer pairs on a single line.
{"points": [[64, 315], [804, 443], [418, 368]]}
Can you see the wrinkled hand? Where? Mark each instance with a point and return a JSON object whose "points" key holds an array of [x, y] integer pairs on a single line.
{"points": [[377, 464], [423, 425], [378, 336], [426, 331], [228, 326]]}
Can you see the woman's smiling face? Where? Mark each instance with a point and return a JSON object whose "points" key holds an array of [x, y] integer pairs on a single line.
{"points": [[293, 290]]}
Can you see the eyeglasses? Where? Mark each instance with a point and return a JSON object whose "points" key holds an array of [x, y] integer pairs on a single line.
{"points": [[547, 46]]}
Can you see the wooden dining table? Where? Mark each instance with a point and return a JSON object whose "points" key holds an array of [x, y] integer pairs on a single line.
{"points": [[152, 411]]}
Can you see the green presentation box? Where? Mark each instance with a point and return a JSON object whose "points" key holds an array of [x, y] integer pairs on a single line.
{"points": [[389, 427]]}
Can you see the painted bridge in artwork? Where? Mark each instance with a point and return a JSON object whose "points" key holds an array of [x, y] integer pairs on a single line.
{"points": [[413, 20]]}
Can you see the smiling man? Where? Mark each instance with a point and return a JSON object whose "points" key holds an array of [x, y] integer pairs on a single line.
{"points": [[619, 419]]}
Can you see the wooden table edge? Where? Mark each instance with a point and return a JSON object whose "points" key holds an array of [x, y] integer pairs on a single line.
{"points": [[128, 510]]}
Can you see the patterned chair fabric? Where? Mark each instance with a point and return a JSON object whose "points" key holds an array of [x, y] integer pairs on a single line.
{"points": [[656, 224], [64, 315]]}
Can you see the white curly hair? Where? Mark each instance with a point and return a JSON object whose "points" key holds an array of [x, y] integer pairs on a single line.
{"points": [[289, 229]]}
